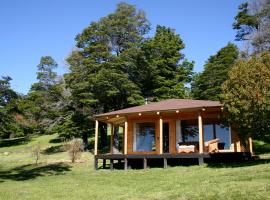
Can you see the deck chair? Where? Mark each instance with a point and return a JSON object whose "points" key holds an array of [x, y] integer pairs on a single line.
{"points": [[211, 145]]}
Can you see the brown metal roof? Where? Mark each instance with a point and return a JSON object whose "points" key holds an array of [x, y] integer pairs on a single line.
{"points": [[166, 105]]}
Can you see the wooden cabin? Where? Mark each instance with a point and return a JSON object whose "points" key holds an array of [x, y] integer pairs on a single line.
{"points": [[169, 129]]}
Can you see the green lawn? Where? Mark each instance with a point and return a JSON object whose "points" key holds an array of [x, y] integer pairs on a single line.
{"points": [[56, 178]]}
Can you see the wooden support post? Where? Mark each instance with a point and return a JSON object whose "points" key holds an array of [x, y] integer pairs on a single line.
{"points": [[125, 164], [250, 145], [200, 125], [111, 139], [125, 137], [165, 163], [96, 138], [104, 164], [96, 163], [201, 160], [144, 163], [238, 146], [160, 135], [111, 164]]}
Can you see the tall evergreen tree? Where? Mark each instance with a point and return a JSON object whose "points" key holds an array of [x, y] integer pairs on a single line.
{"points": [[96, 82], [39, 105], [207, 85], [252, 23], [163, 55]]}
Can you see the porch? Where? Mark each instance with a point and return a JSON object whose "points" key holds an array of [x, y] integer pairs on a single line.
{"points": [[165, 131]]}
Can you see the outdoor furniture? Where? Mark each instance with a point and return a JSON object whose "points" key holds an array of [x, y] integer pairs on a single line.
{"points": [[211, 145], [186, 149], [194, 143]]}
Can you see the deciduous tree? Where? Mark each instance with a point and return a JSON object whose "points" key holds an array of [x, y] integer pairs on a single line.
{"points": [[246, 95]]}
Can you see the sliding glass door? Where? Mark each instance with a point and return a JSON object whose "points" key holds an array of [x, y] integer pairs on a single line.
{"points": [[144, 137]]}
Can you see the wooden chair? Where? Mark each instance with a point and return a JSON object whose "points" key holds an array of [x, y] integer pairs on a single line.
{"points": [[211, 145]]}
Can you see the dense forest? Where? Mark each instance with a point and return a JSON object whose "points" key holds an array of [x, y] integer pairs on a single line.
{"points": [[116, 64]]}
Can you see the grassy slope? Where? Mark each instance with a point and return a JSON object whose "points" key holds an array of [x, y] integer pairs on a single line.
{"points": [[20, 179]]}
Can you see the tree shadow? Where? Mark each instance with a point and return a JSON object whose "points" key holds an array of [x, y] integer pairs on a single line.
{"points": [[53, 149], [30, 171], [56, 140], [14, 142], [235, 164]]}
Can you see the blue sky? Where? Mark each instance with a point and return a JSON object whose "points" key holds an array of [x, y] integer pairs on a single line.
{"points": [[31, 29]]}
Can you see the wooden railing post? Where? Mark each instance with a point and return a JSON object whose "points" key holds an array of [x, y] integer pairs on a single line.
{"points": [[96, 138], [200, 125], [125, 137], [160, 135], [111, 142]]}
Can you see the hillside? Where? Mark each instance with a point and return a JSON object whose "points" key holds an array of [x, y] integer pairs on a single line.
{"points": [[56, 178]]}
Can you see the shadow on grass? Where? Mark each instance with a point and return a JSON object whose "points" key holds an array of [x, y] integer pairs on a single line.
{"points": [[14, 142], [238, 164], [53, 149], [56, 140], [31, 171]]}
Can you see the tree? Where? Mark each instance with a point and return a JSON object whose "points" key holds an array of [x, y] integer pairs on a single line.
{"points": [[246, 95], [207, 85], [40, 104], [252, 24], [157, 65], [167, 75], [6, 93], [9, 126], [95, 81]]}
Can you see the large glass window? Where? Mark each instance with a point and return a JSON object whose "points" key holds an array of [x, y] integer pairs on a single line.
{"points": [[223, 133], [190, 133], [212, 130], [144, 137]]}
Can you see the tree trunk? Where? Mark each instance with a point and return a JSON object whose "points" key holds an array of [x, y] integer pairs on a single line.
{"points": [[85, 141]]}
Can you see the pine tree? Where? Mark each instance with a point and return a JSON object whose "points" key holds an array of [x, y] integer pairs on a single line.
{"points": [[207, 85]]}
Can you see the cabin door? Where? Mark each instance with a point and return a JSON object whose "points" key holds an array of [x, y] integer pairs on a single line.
{"points": [[166, 137]]}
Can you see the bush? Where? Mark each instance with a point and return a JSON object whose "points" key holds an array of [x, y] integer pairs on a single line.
{"points": [[36, 152], [75, 149], [261, 147]]}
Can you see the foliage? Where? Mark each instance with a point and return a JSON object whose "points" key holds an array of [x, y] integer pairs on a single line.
{"points": [[41, 105], [245, 22], [10, 126], [252, 23], [6, 93], [261, 147], [207, 84], [246, 95], [162, 59]]}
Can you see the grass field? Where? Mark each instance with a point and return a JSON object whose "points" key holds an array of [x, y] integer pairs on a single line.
{"points": [[56, 178]]}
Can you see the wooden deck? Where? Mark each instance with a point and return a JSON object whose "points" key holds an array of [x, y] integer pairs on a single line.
{"points": [[218, 157]]}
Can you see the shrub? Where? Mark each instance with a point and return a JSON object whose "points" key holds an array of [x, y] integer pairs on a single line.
{"points": [[36, 152], [75, 149]]}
